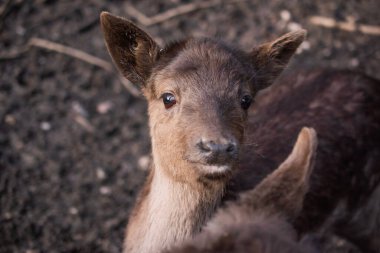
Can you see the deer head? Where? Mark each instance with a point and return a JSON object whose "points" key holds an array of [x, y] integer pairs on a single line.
{"points": [[198, 92]]}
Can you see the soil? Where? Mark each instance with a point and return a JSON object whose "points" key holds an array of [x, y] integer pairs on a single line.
{"points": [[74, 143]]}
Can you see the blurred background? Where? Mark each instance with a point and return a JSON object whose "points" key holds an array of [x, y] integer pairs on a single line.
{"points": [[74, 141]]}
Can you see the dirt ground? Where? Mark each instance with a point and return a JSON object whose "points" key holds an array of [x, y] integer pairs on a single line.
{"points": [[74, 143]]}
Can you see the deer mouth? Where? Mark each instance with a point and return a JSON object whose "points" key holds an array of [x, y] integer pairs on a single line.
{"points": [[211, 169], [214, 171]]}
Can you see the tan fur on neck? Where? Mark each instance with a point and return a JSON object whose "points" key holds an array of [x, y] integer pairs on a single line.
{"points": [[169, 213]]}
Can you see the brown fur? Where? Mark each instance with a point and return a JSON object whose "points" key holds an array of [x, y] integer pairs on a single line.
{"points": [[259, 221], [344, 108], [134, 51], [208, 79], [360, 226]]}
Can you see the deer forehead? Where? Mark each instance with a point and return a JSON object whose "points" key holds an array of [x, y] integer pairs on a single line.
{"points": [[204, 68]]}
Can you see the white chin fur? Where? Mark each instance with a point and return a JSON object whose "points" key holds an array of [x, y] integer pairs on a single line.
{"points": [[216, 169]]}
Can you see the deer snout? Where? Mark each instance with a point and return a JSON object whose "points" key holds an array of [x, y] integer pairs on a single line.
{"points": [[220, 151]]}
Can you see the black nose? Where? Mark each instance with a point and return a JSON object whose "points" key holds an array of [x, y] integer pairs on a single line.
{"points": [[220, 151]]}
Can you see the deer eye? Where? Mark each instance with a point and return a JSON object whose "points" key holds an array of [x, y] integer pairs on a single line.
{"points": [[169, 100], [246, 101]]}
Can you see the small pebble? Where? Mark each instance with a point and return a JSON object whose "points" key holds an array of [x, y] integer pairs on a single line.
{"points": [[105, 190], [100, 174], [28, 160], [285, 15], [46, 126], [20, 30], [293, 26], [7, 216], [10, 120], [354, 62], [104, 107], [305, 46], [73, 211], [143, 162]]}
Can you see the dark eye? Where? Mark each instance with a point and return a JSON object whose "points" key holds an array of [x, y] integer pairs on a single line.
{"points": [[246, 101], [169, 100]]}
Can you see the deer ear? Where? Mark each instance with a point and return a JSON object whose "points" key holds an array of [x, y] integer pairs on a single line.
{"points": [[283, 191], [133, 51], [270, 59]]}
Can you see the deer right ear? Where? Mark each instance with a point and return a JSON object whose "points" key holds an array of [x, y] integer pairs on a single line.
{"points": [[271, 58], [133, 51]]}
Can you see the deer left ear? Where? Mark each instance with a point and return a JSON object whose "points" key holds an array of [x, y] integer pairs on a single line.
{"points": [[270, 59], [133, 51]]}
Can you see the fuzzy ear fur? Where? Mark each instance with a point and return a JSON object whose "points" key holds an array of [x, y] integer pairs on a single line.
{"points": [[133, 51], [270, 59], [283, 191]]}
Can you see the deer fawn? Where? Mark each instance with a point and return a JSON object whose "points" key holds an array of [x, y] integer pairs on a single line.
{"points": [[199, 92]]}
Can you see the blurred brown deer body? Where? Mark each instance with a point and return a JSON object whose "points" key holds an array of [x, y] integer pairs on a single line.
{"points": [[198, 93]]}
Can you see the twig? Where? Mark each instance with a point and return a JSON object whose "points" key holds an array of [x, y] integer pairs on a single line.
{"points": [[45, 44], [84, 123], [4, 8], [129, 86], [174, 12], [349, 26], [14, 54], [88, 26], [41, 43], [135, 13]]}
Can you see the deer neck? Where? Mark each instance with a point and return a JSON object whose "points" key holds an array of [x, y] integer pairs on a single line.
{"points": [[168, 212]]}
